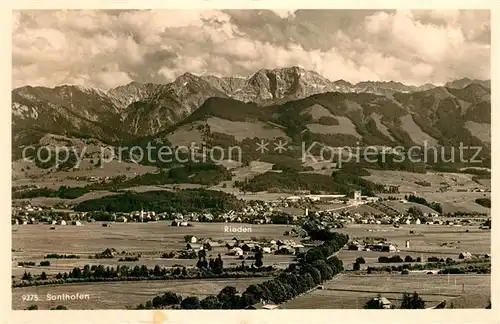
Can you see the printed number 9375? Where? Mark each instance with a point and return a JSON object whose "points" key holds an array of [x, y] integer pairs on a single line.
{"points": [[30, 297]]}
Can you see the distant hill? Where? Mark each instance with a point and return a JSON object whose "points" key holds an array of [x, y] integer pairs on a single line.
{"points": [[462, 83], [291, 103]]}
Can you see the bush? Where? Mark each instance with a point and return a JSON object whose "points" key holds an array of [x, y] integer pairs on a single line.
{"points": [[44, 263], [409, 259], [360, 260], [392, 259], [405, 272]]}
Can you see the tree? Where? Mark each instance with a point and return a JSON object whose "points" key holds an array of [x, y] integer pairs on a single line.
{"points": [[210, 302], [27, 276], [412, 302], [360, 260], [408, 259], [218, 265], [415, 211], [43, 276], [373, 303], [32, 307], [356, 266], [258, 258], [59, 307], [190, 303], [228, 298]]}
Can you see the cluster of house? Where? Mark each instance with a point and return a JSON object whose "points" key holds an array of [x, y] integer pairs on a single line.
{"points": [[28, 214], [379, 247], [473, 190], [334, 199], [238, 247], [32, 220]]}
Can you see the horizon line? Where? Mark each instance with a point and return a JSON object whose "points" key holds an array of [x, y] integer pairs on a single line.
{"points": [[203, 74]]}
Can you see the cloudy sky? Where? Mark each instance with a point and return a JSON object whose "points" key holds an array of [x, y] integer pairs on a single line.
{"points": [[107, 48]]}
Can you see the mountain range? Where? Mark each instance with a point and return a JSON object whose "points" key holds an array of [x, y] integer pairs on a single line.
{"points": [[286, 101]]}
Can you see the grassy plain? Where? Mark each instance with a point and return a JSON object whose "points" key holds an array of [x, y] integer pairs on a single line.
{"points": [[119, 295], [33, 242], [353, 291]]}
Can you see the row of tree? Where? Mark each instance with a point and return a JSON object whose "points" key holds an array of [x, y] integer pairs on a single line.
{"points": [[422, 201], [413, 301], [124, 272]]}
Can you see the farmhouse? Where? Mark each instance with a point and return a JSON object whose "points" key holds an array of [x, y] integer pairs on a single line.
{"points": [[122, 219], [236, 251], [263, 305], [355, 246], [293, 198], [379, 302], [194, 246], [465, 255], [62, 222], [210, 245], [388, 248], [249, 247]]}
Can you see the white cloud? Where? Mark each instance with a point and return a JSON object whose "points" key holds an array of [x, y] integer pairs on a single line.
{"points": [[103, 49]]}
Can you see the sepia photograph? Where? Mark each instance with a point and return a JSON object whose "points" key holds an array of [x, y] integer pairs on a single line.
{"points": [[251, 159]]}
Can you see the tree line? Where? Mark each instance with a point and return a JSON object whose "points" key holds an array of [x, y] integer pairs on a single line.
{"points": [[187, 200], [98, 273], [422, 201]]}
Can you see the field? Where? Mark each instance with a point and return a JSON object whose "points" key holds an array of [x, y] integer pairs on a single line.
{"points": [[427, 238], [119, 295], [33, 242], [353, 291], [345, 126], [417, 135], [451, 200]]}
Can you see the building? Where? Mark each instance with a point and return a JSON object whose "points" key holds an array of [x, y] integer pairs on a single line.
{"points": [[378, 302], [194, 246], [210, 245], [357, 195], [269, 305], [388, 248], [62, 222], [355, 247], [122, 219], [407, 244], [236, 251], [465, 255]]}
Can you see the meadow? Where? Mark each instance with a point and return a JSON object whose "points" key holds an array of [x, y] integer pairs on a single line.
{"points": [[120, 295], [33, 242], [352, 291]]}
